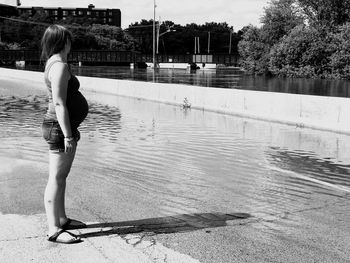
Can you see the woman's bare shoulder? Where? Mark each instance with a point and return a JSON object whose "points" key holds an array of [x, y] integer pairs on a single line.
{"points": [[58, 69]]}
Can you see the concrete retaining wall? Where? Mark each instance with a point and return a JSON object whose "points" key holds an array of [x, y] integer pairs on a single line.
{"points": [[325, 113]]}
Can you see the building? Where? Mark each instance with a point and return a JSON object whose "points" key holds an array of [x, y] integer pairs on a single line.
{"points": [[97, 15]]}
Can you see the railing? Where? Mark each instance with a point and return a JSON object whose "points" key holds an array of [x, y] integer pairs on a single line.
{"points": [[74, 56], [17, 55], [108, 56], [102, 56]]}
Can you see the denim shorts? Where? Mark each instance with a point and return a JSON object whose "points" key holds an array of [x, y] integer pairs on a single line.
{"points": [[53, 135]]}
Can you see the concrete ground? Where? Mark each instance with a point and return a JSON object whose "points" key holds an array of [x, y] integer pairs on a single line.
{"points": [[127, 225], [318, 234]]}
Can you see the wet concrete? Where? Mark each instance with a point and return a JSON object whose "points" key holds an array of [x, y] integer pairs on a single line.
{"points": [[121, 232], [151, 193]]}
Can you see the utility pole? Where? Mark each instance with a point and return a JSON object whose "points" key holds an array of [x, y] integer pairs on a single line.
{"points": [[154, 34], [229, 49], [158, 28], [195, 45], [199, 50], [209, 42]]}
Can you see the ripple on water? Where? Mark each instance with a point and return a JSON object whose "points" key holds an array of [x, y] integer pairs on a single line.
{"points": [[178, 157]]}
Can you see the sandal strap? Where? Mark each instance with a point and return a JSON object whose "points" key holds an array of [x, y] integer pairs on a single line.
{"points": [[65, 225], [70, 224], [58, 233]]}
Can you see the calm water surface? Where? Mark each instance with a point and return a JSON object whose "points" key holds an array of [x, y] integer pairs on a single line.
{"points": [[189, 161], [231, 78]]}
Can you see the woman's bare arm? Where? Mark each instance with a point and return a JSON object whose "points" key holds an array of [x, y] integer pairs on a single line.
{"points": [[59, 76]]}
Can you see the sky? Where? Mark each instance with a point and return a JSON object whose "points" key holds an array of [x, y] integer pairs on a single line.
{"points": [[236, 13]]}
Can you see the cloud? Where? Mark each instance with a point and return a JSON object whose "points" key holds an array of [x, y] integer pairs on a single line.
{"points": [[236, 13], [8, 2]]}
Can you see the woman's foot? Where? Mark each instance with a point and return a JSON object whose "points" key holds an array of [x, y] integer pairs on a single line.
{"points": [[72, 224], [64, 237]]}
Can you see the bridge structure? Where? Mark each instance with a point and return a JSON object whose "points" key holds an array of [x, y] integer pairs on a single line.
{"points": [[119, 57]]}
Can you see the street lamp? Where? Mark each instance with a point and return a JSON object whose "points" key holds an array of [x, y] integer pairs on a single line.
{"points": [[161, 34]]}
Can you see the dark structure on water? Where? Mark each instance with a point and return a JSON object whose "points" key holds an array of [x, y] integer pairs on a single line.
{"points": [[111, 57]]}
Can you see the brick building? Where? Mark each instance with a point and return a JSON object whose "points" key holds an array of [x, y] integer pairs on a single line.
{"points": [[97, 15]]}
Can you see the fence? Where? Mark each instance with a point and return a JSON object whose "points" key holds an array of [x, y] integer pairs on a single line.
{"points": [[108, 56]]}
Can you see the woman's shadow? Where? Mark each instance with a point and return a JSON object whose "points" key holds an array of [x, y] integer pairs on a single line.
{"points": [[165, 225]]}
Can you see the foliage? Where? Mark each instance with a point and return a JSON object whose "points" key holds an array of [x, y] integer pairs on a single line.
{"points": [[304, 52], [326, 12], [300, 38], [138, 37], [86, 35], [142, 32], [181, 39], [340, 58], [279, 19], [253, 50]]}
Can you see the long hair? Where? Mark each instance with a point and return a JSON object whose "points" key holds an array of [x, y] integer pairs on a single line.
{"points": [[54, 40]]}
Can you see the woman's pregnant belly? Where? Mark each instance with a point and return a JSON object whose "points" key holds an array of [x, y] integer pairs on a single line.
{"points": [[78, 108]]}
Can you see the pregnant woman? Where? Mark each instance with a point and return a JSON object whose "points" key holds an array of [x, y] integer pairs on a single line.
{"points": [[66, 110]]}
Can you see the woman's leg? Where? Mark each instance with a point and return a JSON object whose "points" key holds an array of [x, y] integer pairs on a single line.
{"points": [[62, 209], [60, 165]]}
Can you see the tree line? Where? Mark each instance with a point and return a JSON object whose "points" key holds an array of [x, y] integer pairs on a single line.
{"points": [[177, 39], [24, 32], [299, 38]]}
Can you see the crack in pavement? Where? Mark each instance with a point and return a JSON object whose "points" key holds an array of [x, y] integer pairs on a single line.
{"points": [[21, 238]]}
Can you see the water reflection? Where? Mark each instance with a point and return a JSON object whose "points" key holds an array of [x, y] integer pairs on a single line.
{"points": [[231, 78], [309, 164], [333, 88]]}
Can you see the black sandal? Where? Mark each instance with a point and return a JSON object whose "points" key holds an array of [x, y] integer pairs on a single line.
{"points": [[68, 225], [54, 238]]}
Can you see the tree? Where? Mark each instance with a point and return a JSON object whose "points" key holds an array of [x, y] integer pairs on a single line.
{"points": [[305, 52], [253, 50], [111, 37], [340, 58], [182, 40], [279, 18], [83, 39], [142, 32], [24, 30], [326, 12]]}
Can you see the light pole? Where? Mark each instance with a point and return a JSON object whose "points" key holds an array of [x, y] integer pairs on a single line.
{"points": [[231, 32], [158, 29], [159, 35], [154, 34], [209, 42]]}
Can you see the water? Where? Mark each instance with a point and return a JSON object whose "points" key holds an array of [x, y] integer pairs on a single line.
{"points": [[231, 78], [184, 161], [224, 187]]}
